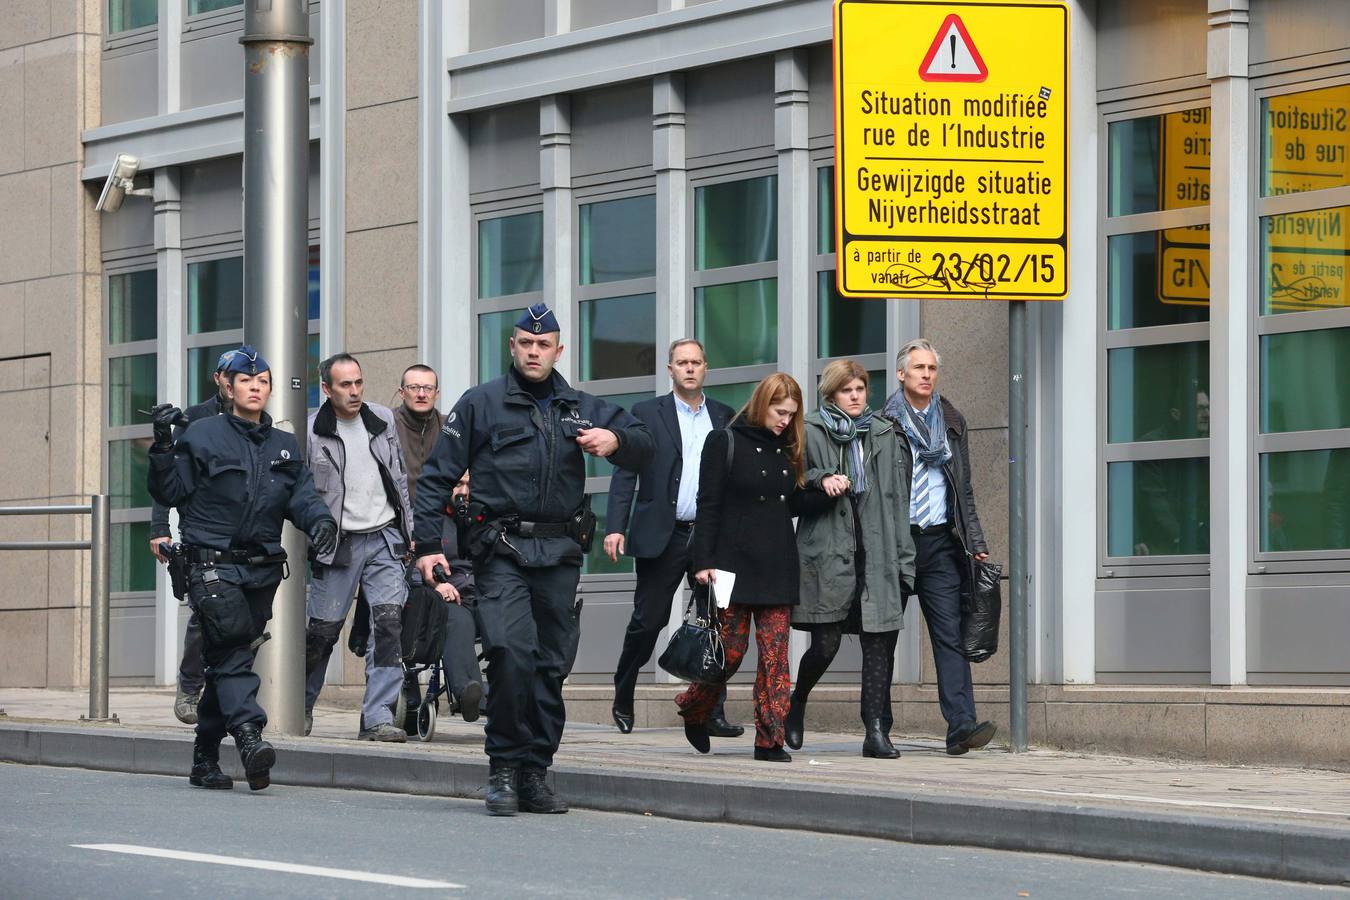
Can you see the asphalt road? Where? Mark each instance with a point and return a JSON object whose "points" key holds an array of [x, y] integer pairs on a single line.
{"points": [[77, 833]]}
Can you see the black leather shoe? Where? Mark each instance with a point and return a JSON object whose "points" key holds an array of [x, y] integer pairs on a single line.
{"points": [[469, 700], [501, 798], [718, 726], [794, 728], [206, 768], [256, 754], [772, 754], [624, 720], [697, 736], [535, 796], [877, 744], [971, 736]]}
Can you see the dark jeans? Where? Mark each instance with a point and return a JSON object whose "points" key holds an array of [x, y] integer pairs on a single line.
{"points": [[878, 653], [230, 698], [657, 579], [530, 623], [937, 581], [458, 656], [191, 674]]}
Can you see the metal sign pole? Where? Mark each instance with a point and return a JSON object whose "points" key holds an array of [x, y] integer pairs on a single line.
{"points": [[1017, 524], [276, 271]]}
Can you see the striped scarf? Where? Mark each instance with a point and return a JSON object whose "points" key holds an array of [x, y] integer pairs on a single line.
{"points": [[847, 432]]}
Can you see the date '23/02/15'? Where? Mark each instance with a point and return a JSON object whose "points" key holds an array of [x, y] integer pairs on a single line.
{"points": [[977, 274]]}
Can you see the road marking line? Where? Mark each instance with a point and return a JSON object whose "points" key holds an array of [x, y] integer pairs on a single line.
{"points": [[1251, 806], [271, 866]]}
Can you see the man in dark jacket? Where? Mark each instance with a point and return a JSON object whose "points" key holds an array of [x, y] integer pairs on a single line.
{"points": [[526, 436], [191, 678], [662, 526], [946, 527]]}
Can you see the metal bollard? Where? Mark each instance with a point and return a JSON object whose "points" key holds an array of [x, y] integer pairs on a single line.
{"points": [[100, 533]]}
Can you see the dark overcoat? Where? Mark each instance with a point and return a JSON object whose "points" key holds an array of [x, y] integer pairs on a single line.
{"points": [[744, 522]]}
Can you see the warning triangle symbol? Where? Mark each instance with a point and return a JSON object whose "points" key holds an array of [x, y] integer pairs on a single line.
{"points": [[952, 56]]}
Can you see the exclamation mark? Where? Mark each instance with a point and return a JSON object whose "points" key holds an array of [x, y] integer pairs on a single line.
{"points": [[952, 38]]}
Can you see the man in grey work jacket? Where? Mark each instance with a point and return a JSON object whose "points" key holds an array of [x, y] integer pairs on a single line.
{"points": [[525, 436], [354, 452]]}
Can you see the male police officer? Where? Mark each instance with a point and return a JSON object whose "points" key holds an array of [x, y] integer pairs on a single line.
{"points": [[525, 435], [234, 478], [190, 674]]}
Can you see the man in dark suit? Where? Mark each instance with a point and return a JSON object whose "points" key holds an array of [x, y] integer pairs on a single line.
{"points": [[663, 520]]}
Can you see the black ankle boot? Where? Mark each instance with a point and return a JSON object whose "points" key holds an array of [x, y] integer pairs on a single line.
{"points": [[877, 744], [772, 754], [206, 767], [535, 794], [794, 727], [256, 754], [501, 798]]}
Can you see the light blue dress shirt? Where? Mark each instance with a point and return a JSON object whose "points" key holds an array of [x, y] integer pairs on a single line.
{"points": [[937, 486], [695, 426]]}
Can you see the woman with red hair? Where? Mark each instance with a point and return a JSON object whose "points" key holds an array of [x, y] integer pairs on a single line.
{"points": [[747, 497]]}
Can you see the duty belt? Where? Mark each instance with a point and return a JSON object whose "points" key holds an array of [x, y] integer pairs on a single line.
{"points": [[537, 529], [236, 557]]}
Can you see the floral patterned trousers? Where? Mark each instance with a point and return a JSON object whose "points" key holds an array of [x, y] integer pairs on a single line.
{"points": [[773, 680]]}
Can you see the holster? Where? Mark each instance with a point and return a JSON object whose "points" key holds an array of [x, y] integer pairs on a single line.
{"points": [[583, 525], [178, 570], [478, 531]]}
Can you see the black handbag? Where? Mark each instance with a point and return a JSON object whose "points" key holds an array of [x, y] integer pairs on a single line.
{"points": [[695, 652], [979, 622]]}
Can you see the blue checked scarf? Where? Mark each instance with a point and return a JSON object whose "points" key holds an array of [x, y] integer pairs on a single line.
{"points": [[847, 432], [927, 431]]}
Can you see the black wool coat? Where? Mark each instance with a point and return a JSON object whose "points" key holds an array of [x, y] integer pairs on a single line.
{"points": [[744, 522]]}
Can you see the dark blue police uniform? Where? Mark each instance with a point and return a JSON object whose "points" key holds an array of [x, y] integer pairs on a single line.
{"points": [[233, 482], [519, 441]]}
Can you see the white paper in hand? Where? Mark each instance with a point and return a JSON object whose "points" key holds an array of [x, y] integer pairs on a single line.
{"points": [[724, 584]]}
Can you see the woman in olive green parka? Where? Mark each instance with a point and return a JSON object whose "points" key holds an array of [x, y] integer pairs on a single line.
{"points": [[852, 586]]}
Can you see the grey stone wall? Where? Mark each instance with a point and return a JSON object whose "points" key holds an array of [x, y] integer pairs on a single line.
{"points": [[50, 331]]}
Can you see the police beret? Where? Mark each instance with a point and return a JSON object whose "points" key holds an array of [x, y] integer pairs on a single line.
{"points": [[246, 361], [538, 319], [225, 360]]}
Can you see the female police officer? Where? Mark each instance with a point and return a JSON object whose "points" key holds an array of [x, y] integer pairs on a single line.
{"points": [[233, 479]]}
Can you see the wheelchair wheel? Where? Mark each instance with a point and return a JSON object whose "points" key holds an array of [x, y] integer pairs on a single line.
{"points": [[426, 720], [406, 707]]}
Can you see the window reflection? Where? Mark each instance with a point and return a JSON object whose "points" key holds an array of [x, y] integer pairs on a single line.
{"points": [[1303, 260], [1158, 507], [618, 337], [1158, 393], [1305, 500], [1306, 141]]}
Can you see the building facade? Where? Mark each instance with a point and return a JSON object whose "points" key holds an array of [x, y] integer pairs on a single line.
{"points": [[656, 168]]}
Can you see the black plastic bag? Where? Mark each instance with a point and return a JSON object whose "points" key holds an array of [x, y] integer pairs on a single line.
{"points": [[979, 621]]}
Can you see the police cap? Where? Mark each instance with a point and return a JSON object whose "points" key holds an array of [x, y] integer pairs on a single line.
{"points": [[246, 361], [538, 319], [225, 360]]}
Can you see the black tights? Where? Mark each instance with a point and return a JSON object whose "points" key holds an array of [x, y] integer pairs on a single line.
{"points": [[878, 653]]}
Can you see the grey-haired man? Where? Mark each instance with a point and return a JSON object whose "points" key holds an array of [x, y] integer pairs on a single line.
{"points": [[946, 527]]}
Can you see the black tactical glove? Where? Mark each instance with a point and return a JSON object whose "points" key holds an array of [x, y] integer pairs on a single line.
{"points": [[323, 537], [165, 416]]}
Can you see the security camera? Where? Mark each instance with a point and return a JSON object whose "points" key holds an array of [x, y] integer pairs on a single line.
{"points": [[120, 183]]}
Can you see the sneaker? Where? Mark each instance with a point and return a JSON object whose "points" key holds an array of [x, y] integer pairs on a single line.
{"points": [[385, 731], [185, 707]]}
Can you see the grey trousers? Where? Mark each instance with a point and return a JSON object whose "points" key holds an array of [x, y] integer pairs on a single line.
{"points": [[375, 568]]}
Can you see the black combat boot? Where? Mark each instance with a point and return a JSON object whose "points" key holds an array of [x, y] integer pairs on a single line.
{"points": [[501, 792], [535, 794], [877, 744], [206, 767], [256, 754]]}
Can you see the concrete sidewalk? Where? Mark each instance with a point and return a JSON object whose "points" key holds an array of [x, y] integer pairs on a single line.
{"points": [[1265, 821]]}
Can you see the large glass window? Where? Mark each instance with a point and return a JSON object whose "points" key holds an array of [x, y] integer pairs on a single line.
{"points": [[1305, 500], [736, 223], [616, 292], [618, 337], [128, 470], [131, 567], [131, 389], [511, 255], [494, 330], [618, 240], [1303, 438], [215, 295], [1157, 340], [132, 299], [126, 15], [738, 322], [1158, 507], [197, 7]]}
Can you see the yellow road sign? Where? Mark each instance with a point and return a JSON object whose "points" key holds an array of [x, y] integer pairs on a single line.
{"points": [[951, 134]]}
